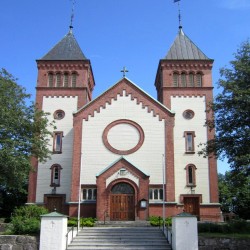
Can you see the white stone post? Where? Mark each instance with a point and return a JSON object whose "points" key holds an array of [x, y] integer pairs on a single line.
{"points": [[53, 231], [184, 232]]}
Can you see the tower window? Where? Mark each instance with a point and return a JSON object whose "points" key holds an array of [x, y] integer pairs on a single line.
{"points": [[183, 80], [191, 80], [190, 173], [55, 175], [57, 144], [198, 80], [189, 141], [59, 114], [58, 80], [66, 80], [73, 79], [50, 80], [175, 80]]}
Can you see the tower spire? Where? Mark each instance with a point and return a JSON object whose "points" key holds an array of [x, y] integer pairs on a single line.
{"points": [[179, 11], [72, 14]]}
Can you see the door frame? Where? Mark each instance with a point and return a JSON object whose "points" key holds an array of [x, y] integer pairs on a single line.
{"points": [[197, 197], [62, 197], [126, 214]]}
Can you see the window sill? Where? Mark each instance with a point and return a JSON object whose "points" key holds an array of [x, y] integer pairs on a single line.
{"points": [[190, 152]]}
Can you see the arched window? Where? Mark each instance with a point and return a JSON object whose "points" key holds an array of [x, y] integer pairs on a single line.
{"points": [[183, 80], [58, 79], [55, 175], [191, 80], [66, 80], [191, 176], [73, 79], [175, 80], [199, 80], [50, 80]]}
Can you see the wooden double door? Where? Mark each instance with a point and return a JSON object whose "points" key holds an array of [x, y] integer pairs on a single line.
{"points": [[122, 202], [122, 207]]}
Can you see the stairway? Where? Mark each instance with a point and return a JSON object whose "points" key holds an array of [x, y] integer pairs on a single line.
{"points": [[125, 237]]}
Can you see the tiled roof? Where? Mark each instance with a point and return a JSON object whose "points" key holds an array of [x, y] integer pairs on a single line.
{"points": [[184, 49], [66, 49]]}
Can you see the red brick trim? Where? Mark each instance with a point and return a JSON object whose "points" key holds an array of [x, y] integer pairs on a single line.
{"points": [[33, 181], [123, 152], [130, 89]]}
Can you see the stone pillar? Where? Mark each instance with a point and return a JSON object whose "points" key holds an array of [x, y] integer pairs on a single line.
{"points": [[185, 232], [53, 231]]}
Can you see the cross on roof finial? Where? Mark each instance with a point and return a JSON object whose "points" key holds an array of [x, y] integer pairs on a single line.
{"points": [[124, 71], [179, 10], [72, 14]]}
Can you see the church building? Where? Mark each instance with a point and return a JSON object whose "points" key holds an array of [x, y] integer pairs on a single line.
{"points": [[125, 155]]}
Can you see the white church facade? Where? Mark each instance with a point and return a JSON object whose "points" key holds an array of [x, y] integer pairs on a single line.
{"points": [[124, 154]]}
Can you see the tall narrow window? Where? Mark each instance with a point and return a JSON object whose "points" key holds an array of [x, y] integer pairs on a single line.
{"points": [[58, 80], [198, 80], [55, 175], [189, 141], [57, 145], [191, 80], [50, 80], [183, 80], [175, 80], [73, 79], [66, 80], [190, 173]]}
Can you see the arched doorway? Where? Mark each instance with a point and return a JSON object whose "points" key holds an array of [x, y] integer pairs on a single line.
{"points": [[122, 202]]}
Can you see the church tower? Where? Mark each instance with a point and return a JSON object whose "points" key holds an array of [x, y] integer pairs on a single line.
{"points": [[65, 83], [184, 85]]}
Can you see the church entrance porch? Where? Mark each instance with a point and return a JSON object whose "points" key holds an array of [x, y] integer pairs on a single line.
{"points": [[122, 202]]}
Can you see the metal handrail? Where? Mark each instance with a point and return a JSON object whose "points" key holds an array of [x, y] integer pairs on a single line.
{"points": [[67, 236]]}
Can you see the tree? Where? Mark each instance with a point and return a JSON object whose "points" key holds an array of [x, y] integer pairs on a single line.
{"points": [[23, 134], [232, 114], [234, 194]]}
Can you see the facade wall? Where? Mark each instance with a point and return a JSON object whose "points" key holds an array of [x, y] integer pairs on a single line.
{"points": [[68, 105], [182, 159], [96, 157]]}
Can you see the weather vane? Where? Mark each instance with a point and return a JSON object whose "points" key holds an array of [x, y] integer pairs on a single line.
{"points": [[72, 13], [179, 10], [124, 71]]}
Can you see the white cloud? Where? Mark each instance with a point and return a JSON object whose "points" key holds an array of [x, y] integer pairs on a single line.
{"points": [[235, 4]]}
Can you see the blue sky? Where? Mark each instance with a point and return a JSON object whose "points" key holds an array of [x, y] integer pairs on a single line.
{"points": [[116, 33]]}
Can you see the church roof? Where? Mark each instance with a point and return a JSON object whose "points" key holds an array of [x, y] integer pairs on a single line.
{"points": [[184, 49], [66, 49]]}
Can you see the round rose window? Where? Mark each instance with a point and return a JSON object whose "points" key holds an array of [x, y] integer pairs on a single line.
{"points": [[123, 137]]}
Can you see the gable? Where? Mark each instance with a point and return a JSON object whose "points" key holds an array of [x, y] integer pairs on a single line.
{"points": [[127, 88]]}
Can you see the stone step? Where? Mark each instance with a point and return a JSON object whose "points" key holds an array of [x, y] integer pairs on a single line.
{"points": [[120, 238]]}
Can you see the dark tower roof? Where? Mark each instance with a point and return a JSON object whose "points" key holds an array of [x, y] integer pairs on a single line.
{"points": [[184, 49], [66, 49]]}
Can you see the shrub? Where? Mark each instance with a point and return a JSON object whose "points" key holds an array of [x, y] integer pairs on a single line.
{"points": [[234, 226], [157, 221], [72, 222], [88, 222], [26, 219]]}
